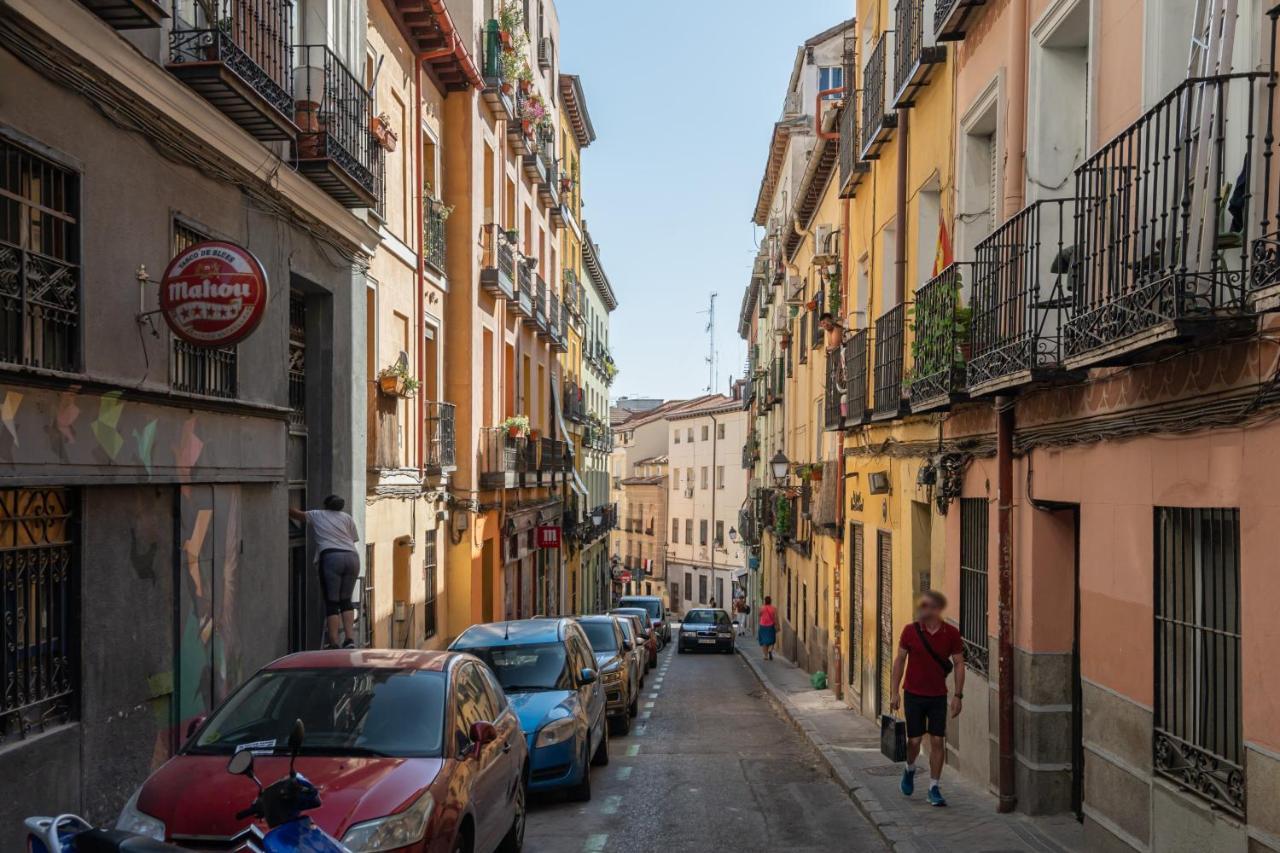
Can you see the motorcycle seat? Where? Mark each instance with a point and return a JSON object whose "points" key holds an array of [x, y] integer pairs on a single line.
{"points": [[115, 841]]}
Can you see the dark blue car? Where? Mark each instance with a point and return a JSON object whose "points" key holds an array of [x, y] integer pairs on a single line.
{"points": [[548, 672]]}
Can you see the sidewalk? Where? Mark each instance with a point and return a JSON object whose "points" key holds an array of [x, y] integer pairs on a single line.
{"points": [[850, 746]]}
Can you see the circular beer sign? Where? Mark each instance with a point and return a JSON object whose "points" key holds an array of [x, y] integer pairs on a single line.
{"points": [[213, 294]]}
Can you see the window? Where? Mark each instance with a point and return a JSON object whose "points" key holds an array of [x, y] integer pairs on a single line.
{"points": [[688, 582], [675, 436], [675, 478], [720, 431], [704, 476], [702, 588], [688, 478], [702, 532], [429, 578], [689, 434], [1197, 655], [830, 77], [40, 663], [706, 432], [688, 531], [719, 534], [200, 370], [719, 476], [974, 533], [675, 531], [39, 261]]}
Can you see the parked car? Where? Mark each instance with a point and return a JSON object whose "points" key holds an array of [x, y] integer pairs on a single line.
{"points": [[617, 671], [548, 671], [639, 654], [657, 611], [648, 635], [705, 628], [412, 750]]}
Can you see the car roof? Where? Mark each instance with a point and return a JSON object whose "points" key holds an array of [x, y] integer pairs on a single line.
{"points": [[514, 632], [630, 611], [706, 610], [595, 617], [435, 661], [641, 598]]}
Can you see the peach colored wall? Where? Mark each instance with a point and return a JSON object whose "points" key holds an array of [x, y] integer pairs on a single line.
{"points": [[1116, 85]]}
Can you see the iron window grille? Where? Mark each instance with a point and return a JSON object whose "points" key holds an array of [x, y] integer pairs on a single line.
{"points": [[440, 436], [39, 571], [212, 371], [1198, 741], [39, 261], [890, 352], [974, 536], [857, 561], [297, 360], [429, 570]]}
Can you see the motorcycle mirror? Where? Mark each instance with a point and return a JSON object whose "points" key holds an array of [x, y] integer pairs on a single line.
{"points": [[241, 764], [296, 734]]}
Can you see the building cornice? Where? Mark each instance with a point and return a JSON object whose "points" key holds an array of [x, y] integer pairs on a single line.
{"points": [[591, 260], [575, 107]]}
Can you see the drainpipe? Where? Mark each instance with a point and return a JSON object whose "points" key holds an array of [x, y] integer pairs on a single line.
{"points": [[1004, 536], [1016, 114], [420, 275], [840, 666], [900, 237]]}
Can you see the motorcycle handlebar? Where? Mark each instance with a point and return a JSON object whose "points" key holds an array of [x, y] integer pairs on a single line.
{"points": [[252, 811]]}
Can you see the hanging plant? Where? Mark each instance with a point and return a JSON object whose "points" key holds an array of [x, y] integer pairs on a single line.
{"points": [[516, 425], [396, 381], [833, 299]]}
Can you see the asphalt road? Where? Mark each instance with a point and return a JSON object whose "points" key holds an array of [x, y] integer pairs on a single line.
{"points": [[712, 768]]}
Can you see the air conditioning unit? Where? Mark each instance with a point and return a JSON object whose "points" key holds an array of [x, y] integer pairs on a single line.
{"points": [[795, 288]]}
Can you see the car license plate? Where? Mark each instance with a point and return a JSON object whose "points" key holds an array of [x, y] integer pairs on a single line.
{"points": [[708, 642]]}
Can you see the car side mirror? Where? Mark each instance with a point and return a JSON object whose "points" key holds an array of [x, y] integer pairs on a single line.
{"points": [[241, 764], [626, 645], [587, 676], [195, 724], [481, 733]]}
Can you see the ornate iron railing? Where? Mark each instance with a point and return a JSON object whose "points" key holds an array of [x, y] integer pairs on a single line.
{"points": [[950, 18], [433, 234], [1164, 215], [335, 115], [834, 402], [250, 37], [975, 534], [441, 441], [940, 337], [875, 121], [498, 263], [540, 301], [908, 48], [855, 377], [524, 286], [890, 353], [1021, 294]]}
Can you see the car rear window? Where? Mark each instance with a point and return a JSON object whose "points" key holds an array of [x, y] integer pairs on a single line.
{"points": [[706, 617], [601, 635], [652, 606], [521, 669], [349, 711]]}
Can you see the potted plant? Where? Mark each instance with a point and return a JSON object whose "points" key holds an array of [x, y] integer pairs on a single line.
{"points": [[535, 434], [396, 381], [516, 426], [306, 115], [815, 472], [963, 320], [380, 127], [524, 77], [512, 235], [812, 304], [785, 340], [833, 299]]}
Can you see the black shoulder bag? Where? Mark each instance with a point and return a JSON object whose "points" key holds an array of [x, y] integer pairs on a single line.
{"points": [[946, 665]]}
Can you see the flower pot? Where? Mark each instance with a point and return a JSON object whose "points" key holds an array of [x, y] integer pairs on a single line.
{"points": [[505, 38], [391, 384], [812, 305], [966, 349], [526, 86], [815, 474], [306, 115], [513, 432], [534, 434], [507, 88], [785, 343]]}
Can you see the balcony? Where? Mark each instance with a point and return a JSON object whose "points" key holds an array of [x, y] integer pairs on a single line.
{"points": [[520, 128], [556, 321], [877, 123], [846, 384], [915, 55], [572, 297], [335, 148], [540, 322], [498, 91], [1022, 281], [940, 339], [236, 55], [128, 14], [852, 168], [574, 406], [524, 290], [1164, 224], [512, 462], [890, 354], [951, 18], [439, 437], [433, 234], [498, 265]]}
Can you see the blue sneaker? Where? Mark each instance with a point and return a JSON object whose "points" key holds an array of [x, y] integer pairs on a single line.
{"points": [[935, 796], [908, 784]]}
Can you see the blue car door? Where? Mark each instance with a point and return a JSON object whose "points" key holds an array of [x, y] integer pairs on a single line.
{"points": [[590, 696]]}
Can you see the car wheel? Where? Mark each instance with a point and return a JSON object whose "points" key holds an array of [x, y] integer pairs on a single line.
{"points": [[622, 723], [581, 792], [680, 649], [463, 842], [513, 841], [634, 710], [601, 758]]}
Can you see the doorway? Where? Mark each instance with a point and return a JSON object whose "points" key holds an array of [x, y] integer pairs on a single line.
{"points": [[884, 618], [853, 649]]}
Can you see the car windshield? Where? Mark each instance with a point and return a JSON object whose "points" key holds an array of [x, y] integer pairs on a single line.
{"points": [[706, 617], [640, 613], [522, 669], [652, 606], [601, 635], [373, 711], [626, 628]]}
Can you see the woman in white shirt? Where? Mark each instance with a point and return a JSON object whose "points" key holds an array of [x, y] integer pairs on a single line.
{"points": [[338, 563]]}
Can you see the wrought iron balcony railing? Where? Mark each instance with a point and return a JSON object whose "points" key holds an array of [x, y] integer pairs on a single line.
{"points": [[540, 306], [498, 265], [507, 461], [850, 381], [498, 91], [441, 444], [939, 341], [556, 323], [335, 147], [877, 122], [572, 302], [915, 54], [129, 14], [237, 55], [852, 167], [1164, 218], [890, 354], [1022, 276], [951, 18], [433, 234], [524, 289]]}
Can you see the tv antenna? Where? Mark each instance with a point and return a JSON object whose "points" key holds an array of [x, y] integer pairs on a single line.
{"points": [[711, 343]]}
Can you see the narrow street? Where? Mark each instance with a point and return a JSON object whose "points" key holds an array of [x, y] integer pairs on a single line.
{"points": [[709, 766]]}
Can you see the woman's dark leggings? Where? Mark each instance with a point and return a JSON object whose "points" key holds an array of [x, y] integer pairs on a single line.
{"points": [[339, 571]]}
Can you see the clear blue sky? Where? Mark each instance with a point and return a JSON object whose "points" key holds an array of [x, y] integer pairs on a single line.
{"points": [[683, 95]]}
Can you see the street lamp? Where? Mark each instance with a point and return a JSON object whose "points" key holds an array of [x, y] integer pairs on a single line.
{"points": [[780, 465]]}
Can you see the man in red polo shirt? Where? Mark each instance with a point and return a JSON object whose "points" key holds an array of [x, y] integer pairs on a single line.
{"points": [[928, 650]]}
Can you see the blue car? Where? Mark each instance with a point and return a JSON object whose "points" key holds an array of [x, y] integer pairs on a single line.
{"points": [[548, 671]]}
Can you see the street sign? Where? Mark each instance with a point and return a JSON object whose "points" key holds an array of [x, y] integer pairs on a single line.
{"points": [[549, 536], [213, 294]]}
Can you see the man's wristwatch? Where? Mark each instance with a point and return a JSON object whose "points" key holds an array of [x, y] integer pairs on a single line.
{"points": [[958, 695]]}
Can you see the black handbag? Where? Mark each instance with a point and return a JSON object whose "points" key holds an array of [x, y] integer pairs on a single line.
{"points": [[946, 665], [893, 738]]}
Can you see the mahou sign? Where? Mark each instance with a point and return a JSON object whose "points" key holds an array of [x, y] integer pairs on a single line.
{"points": [[214, 294]]}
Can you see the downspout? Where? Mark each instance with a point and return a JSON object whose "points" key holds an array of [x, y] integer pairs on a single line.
{"points": [[1015, 115], [1004, 546], [838, 657], [420, 273], [900, 234]]}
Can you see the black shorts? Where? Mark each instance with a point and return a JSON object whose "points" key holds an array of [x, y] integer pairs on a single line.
{"points": [[925, 714], [339, 571]]}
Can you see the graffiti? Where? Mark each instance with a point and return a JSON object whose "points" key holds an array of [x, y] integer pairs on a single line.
{"points": [[9, 414], [145, 440], [104, 427]]}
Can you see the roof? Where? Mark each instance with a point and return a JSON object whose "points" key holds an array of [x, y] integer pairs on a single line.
{"points": [[591, 260], [710, 405], [662, 412], [655, 480], [653, 460], [508, 633], [370, 658], [575, 107], [772, 168], [813, 186], [430, 30]]}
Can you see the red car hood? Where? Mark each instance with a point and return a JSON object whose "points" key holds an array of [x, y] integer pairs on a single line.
{"points": [[195, 795]]}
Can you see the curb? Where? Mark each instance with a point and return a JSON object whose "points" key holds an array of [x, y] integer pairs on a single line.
{"points": [[861, 795]]}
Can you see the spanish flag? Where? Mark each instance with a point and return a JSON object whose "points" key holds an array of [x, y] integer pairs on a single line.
{"points": [[942, 255]]}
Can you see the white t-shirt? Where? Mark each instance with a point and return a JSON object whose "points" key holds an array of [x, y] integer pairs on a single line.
{"points": [[335, 531]]}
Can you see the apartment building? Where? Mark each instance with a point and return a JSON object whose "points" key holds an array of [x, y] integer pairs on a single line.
{"points": [[1052, 395], [642, 511]]}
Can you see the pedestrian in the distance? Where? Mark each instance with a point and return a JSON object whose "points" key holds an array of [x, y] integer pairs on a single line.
{"points": [[338, 563], [767, 629], [929, 650]]}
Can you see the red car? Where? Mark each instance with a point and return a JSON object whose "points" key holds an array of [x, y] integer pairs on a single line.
{"points": [[410, 750]]}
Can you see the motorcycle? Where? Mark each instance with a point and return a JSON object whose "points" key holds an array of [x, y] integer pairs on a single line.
{"points": [[282, 803], [71, 834]]}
